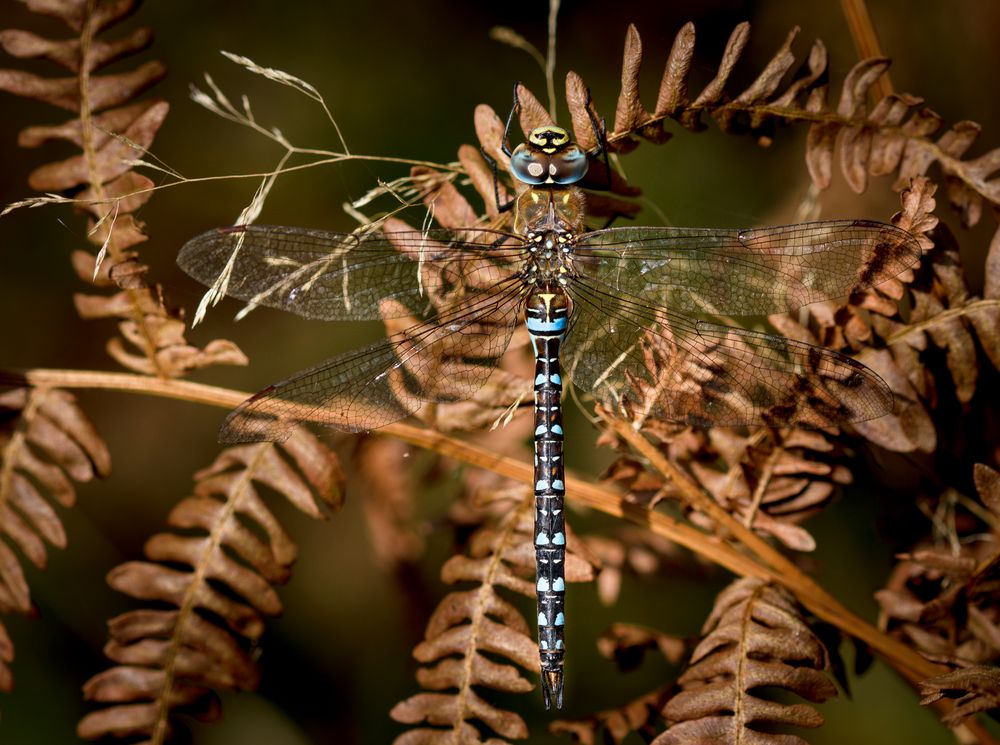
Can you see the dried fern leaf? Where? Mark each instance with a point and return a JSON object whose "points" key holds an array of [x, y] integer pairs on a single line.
{"points": [[113, 132], [211, 582], [894, 136], [975, 689], [755, 638], [47, 443], [627, 645], [941, 599], [987, 483], [640, 716], [474, 634]]}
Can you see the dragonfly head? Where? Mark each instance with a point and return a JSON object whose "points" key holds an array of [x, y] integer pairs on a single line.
{"points": [[549, 157]]}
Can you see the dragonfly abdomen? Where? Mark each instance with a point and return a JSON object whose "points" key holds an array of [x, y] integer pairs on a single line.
{"points": [[547, 318]]}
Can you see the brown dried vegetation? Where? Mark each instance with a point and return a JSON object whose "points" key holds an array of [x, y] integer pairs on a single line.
{"points": [[474, 634], [207, 583], [755, 638], [112, 132], [215, 574], [47, 443]]}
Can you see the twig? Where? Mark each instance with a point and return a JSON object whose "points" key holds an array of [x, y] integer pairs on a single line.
{"points": [[859, 21]]}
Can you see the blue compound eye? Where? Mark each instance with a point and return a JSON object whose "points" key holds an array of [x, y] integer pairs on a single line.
{"points": [[568, 166], [528, 166]]}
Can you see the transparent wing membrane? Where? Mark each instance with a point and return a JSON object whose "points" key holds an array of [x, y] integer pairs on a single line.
{"points": [[630, 343], [445, 359], [665, 365], [343, 276], [745, 272]]}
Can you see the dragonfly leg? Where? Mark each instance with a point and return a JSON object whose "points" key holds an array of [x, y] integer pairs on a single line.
{"points": [[501, 207], [505, 148], [600, 128]]}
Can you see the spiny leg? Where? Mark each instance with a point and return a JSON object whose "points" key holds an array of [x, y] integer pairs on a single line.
{"points": [[505, 148]]}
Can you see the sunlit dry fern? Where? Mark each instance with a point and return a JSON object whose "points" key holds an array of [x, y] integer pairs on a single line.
{"points": [[895, 137], [975, 689], [755, 638], [111, 133], [942, 596], [770, 479], [627, 644], [471, 629], [630, 551], [215, 573], [943, 600], [47, 443]]}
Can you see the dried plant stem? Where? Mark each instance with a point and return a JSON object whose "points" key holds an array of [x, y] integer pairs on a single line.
{"points": [[331, 159], [913, 667], [941, 318], [767, 563], [89, 147], [550, 59], [859, 21]]}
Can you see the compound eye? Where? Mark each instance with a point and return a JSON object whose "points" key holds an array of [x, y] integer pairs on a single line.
{"points": [[569, 166], [528, 166]]}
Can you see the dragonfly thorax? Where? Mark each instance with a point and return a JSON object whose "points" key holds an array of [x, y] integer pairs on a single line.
{"points": [[550, 257]]}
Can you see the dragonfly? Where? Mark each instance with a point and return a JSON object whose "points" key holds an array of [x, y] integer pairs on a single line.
{"points": [[625, 313]]}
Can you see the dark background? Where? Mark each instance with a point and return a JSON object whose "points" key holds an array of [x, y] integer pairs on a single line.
{"points": [[402, 79]]}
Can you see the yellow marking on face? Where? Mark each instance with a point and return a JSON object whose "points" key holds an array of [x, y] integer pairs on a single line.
{"points": [[549, 138]]}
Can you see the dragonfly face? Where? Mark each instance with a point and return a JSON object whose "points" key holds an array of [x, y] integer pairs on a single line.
{"points": [[549, 158], [637, 342]]}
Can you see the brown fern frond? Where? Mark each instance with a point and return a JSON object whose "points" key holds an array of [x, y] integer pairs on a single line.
{"points": [[974, 688], [627, 645], [771, 480], [894, 137], [472, 628], [754, 638], [633, 551], [388, 502], [47, 443], [642, 716], [893, 326], [942, 597], [112, 133], [210, 582], [757, 110]]}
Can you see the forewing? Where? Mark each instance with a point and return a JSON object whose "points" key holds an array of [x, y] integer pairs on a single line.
{"points": [[746, 272], [343, 276], [445, 359], [664, 365]]}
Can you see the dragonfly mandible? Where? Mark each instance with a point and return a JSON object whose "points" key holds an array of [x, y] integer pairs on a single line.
{"points": [[619, 311]]}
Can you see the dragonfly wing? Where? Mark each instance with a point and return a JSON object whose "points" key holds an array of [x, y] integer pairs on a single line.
{"points": [[445, 359], [669, 366], [344, 276], [747, 272]]}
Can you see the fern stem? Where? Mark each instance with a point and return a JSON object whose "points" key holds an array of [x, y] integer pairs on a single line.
{"points": [[939, 319], [859, 21], [87, 143], [911, 665]]}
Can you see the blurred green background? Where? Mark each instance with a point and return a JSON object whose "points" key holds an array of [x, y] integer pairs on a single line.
{"points": [[402, 80]]}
